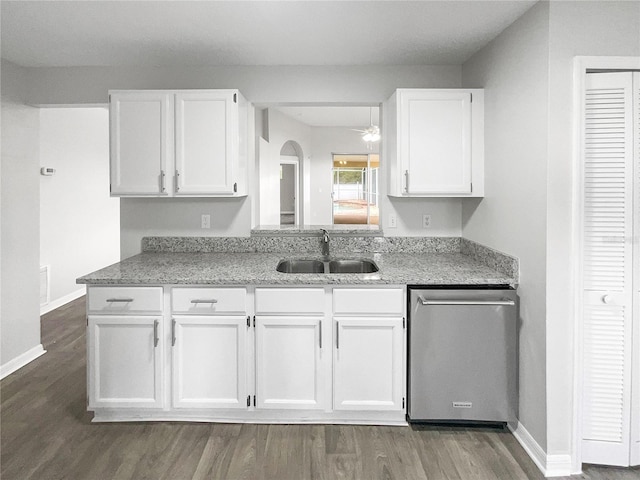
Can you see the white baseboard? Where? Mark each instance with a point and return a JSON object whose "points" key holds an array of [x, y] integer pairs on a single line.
{"points": [[549, 465], [559, 466], [21, 360], [62, 301]]}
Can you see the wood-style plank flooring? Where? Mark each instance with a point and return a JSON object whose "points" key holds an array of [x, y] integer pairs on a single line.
{"points": [[46, 433]]}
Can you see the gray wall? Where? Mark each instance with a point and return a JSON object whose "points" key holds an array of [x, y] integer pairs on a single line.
{"points": [[527, 73], [513, 69], [19, 239], [259, 84]]}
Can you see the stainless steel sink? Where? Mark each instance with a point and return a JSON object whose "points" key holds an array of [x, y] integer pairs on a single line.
{"points": [[300, 265], [352, 265], [341, 265]]}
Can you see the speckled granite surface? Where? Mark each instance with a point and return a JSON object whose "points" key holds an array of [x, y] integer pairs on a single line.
{"points": [[151, 268], [253, 260], [492, 258], [305, 243]]}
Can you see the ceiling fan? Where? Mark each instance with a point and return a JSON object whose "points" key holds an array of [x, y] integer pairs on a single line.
{"points": [[372, 132]]}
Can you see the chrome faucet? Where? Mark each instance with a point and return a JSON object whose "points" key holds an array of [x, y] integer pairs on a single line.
{"points": [[325, 242]]}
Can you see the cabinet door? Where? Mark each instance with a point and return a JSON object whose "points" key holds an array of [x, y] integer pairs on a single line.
{"points": [[141, 134], [435, 142], [209, 362], [368, 363], [125, 362], [206, 142], [288, 362]]}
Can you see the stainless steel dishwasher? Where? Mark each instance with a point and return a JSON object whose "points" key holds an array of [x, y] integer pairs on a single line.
{"points": [[462, 355]]}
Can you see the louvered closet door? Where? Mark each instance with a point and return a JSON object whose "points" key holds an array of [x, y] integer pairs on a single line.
{"points": [[635, 370], [607, 269]]}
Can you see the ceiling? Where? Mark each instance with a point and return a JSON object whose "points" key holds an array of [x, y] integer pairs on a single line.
{"points": [[209, 33]]}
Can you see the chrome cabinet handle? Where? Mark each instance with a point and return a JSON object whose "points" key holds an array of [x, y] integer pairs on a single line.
{"points": [[155, 333], [119, 300], [173, 332], [204, 300], [176, 180], [406, 181], [466, 302], [337, 335], [162, 175], [320, 333]]}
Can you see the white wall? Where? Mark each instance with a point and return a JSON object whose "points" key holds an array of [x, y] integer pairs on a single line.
{"points": [[19, 239], [604, 28], [513, 70], [141, 217], [79, 222], [281, 129]]}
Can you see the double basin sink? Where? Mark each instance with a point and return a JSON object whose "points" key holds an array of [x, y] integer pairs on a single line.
{"points": [[336, 265]]}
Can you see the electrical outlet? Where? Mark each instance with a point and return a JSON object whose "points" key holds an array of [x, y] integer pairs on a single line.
{"points": [[205, 221], [426, 221], [391, 221]]}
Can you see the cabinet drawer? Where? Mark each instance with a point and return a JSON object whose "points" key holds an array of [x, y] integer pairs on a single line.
{"points": [[290, 300], [202, 301], [377, 301], [137, 300]]}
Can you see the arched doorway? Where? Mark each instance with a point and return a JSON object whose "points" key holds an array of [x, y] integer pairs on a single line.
{"points": [[290, 184]]}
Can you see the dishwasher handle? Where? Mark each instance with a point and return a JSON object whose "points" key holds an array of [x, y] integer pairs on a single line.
{"points": [[509, 303]]}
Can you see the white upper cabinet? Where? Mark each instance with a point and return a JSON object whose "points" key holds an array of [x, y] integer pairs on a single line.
{"points": [[434, 141], [206, 137], [140, 126], [178, 143]]}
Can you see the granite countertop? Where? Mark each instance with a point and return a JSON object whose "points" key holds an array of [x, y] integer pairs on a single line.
{"points": [[154, 268]]}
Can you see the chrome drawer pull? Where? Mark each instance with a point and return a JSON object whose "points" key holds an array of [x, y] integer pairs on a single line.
{"points": [[467, 302], [119, 300], [212, 300]]}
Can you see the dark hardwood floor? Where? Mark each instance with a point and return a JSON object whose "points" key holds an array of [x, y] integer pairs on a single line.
{"points": [[46, 433]]}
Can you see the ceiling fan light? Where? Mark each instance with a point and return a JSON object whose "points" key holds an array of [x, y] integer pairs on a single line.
{"points": [[371, 136], [372, 132]]}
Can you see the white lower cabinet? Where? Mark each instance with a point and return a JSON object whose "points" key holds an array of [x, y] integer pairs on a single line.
{"points": [[267, 354], [288, 362], [209, 362], [368, 363], [125, 361]]}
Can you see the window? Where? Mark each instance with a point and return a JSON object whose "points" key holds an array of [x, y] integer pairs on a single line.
{"points": [[355, 189]]}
